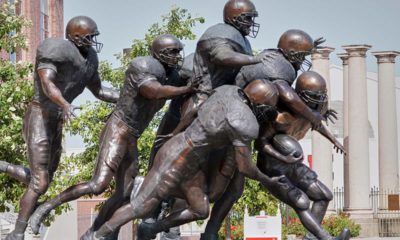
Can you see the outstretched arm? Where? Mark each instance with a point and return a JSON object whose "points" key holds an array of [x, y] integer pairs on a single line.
{"points": [[290, 98], [101, 92], [155, 90], [47, 78], [326, 133]]}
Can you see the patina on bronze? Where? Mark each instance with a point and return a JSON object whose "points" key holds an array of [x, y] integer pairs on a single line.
{"points": [[282, 71], [144, 92], [301, 185], [63, 70], [225, 119], [220, 53]]}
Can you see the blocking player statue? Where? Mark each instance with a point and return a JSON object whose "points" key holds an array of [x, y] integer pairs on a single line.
{"points": [[220, 53], [64, 68], [279, 155], [148, 83], [229, 117], [280, 67]]}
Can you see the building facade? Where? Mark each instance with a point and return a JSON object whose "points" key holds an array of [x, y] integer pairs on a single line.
{"points": [[47, 20]]}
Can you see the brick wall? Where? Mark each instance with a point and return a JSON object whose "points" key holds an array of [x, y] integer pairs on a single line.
{"points": [[30, 9]]}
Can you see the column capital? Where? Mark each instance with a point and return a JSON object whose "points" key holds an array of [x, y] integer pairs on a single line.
{"points": [[344, 57], [356, 50], [386, 56], [322, 53]]}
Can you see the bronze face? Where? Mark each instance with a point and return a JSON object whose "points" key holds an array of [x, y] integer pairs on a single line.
{"points": [[83, 32], [241, 15], [167, 48], [296, 45], [311, 88], [263, 96]]}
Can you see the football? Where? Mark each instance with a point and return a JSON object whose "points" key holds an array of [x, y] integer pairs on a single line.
{"points": [[286, 144]]}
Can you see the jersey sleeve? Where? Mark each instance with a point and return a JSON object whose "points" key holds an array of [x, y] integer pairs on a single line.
{"points": [[53, 53], [243, 127]]}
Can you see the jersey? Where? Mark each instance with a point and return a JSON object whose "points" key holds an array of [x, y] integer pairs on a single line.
{"points": [[223, 120], [206, 71], [133, 108], [276, 68], [73, 71]]}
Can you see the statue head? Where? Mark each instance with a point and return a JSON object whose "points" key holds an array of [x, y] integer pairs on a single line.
{"points": [[83, 32], [296, 45], [263, 96], [167, 49], [241, 15], [311, 88]]}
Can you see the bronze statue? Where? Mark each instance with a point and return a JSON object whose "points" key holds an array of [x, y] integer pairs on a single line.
{"points": [[220, 53], [281, 68], [143, 94], [278, 156], [227, 118], [300, 185], [63, 70]]}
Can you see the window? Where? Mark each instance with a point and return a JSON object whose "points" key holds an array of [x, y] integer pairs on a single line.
{"points": [[44, 20]]}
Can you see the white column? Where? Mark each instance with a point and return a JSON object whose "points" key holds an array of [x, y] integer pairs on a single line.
{"points": [[345, 59], [388, 163], [321, 147], [358, 155]]}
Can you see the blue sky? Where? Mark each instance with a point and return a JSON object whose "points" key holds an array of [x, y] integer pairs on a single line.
{"points": [[340, 22]]}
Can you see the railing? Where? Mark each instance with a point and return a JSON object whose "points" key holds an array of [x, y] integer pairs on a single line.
{"points": [[388, 217]]}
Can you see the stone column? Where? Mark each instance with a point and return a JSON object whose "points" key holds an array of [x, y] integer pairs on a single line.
{"points": [[388, 163], [321, 147], [345, 59], [358, 156]]}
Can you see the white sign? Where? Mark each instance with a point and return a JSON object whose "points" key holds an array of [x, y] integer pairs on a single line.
{"points": [[263, 227]]}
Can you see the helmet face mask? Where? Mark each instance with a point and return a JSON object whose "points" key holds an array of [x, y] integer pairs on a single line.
{"points": [[168, 50], [311, 88], [264, 112], [91, 40], [316, 100], [241, 14], [172, 57], [296, 45], [82, 31], [262, 96], [299, 59], [245, 23]]}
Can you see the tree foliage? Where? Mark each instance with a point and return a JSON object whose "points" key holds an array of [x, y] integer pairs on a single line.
{"points": [[15, 93]]}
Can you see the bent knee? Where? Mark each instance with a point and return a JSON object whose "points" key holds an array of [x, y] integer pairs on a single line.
{"points": [[97, 187], [299, 199], [200, 214]]}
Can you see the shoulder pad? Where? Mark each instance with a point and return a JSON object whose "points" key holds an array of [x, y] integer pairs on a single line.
{"points": [[226, 31], [146, 64], [277, 68], [56, 50]]}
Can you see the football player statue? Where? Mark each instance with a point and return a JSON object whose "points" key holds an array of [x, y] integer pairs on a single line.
{"points": [[220, 53], [64, 68], [149, 81], [281, 68], [282, 155], [229, 117]]}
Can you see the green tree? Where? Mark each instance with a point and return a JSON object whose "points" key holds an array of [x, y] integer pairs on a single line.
{"points": [[15, 93]]}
